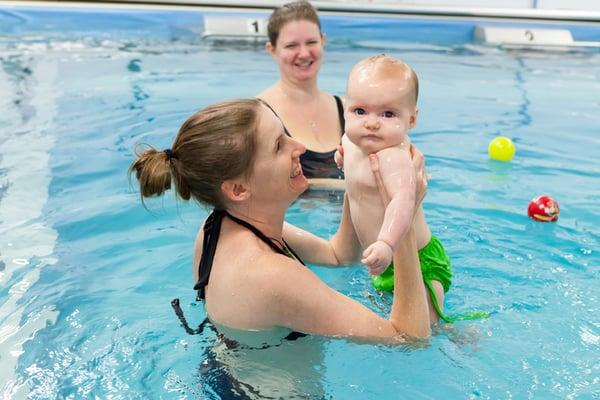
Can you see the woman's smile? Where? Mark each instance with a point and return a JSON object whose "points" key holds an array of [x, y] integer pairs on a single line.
{"points": [[304, 64], [297, 171]]}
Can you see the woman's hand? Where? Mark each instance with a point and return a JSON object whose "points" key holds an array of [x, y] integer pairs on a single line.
{"points": [[418, 162]]}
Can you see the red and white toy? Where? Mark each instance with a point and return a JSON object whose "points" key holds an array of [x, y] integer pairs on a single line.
{"points": [[543, 208]]}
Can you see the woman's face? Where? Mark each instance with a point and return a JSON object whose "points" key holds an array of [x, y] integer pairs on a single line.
{"points": [[277, 168], [299, 50]]}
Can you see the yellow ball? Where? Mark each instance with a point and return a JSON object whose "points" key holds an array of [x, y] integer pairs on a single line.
{"points": [[501, 148]]}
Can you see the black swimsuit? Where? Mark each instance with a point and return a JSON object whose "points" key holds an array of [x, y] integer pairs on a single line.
{"points": [[316, 164]]}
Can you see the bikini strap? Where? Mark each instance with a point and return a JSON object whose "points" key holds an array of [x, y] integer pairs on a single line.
{"points": [[264, 237], [340, 110], [271, 108], [267, 105], [212, 230], [191, 331], [293, 252]]}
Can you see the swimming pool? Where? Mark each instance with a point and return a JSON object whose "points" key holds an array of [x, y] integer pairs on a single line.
{"points": [[87, 274]]}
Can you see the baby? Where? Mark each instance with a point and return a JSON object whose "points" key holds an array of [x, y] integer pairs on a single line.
{"points": [[381, 107]]}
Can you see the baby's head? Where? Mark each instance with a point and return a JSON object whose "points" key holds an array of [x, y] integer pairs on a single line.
{"points": [[375, 70], [381, 102]]}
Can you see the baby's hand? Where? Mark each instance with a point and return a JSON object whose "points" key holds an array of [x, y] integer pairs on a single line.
{"points": [[339, 157], [377, 257]]}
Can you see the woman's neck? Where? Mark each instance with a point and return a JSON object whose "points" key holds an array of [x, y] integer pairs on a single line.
{"points": [[268, 222], [299, 91]]}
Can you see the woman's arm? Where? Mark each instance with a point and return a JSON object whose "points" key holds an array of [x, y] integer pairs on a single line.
{"points": [[300, 301], [341, 248], [410, 309]]}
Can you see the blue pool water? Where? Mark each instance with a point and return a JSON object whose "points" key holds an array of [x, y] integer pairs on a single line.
{"points": [[87, 274]]}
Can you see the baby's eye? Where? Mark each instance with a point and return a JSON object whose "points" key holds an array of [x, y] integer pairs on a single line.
{"points": [[359, 111], [389, 114]]}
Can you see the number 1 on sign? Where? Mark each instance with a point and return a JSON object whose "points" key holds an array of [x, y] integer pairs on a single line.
{"points": [[253, 27]]}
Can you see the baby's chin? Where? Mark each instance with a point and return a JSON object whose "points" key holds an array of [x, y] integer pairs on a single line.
{"points": [[375, 146]]}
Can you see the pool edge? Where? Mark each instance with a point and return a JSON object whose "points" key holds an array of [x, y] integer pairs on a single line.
{"points": [[336, 7]]}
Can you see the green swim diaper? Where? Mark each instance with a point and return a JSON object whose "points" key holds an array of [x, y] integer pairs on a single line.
{"points": [[435, 266]]}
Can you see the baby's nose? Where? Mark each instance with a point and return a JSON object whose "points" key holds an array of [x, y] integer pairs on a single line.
{"points": [[372, 122]]}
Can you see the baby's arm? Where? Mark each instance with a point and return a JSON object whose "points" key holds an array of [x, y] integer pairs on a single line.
{"points": [[398, 178]]}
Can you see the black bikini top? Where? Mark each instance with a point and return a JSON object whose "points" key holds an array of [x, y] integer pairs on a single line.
{"points": [[321, 164], [212, 230]]}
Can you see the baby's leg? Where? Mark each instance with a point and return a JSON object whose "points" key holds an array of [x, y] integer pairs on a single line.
{"points": [[439, 294]]}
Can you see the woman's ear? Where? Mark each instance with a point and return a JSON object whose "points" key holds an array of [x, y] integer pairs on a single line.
{"points": [[413, 119], [235, 191], [269, 48]]}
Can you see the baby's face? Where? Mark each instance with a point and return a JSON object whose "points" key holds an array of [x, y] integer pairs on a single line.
{"points": [[379, 111]]}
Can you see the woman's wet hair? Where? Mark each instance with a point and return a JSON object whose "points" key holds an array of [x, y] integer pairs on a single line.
{"points": [[215, 144], [295, 11]]}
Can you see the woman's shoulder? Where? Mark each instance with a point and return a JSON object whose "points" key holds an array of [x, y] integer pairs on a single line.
{"points": [[243, 255], [259, 280], [269, 95], [271, 269]]}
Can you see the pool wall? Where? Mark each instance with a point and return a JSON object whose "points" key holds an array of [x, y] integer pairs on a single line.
{"points": [[576, 10], [433, 29]]}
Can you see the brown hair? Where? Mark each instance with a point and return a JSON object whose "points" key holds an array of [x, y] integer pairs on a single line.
{"points": [[295, 11], [389, 65], [213, 145]]}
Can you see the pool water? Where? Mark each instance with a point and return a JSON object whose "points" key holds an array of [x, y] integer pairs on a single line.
{"points": [[87, 274]]}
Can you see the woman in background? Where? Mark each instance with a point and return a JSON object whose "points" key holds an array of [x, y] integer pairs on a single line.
{"points": [[311, 116]]}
